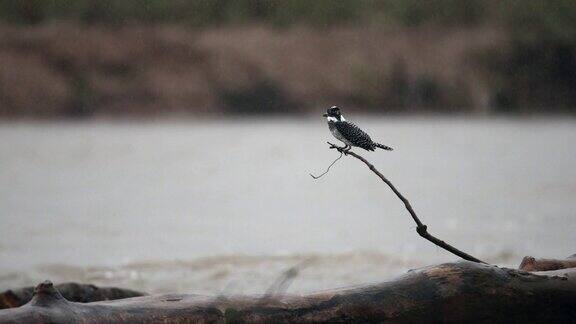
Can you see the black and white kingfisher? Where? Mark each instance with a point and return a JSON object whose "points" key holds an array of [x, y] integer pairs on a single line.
{"points": [[348, 133]]}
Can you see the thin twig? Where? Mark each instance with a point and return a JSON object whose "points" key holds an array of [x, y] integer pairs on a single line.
{"points": [[421, 229], [283, 282], [331, 164]]}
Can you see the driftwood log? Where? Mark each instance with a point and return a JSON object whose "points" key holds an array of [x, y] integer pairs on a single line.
{"points": [[71, 291], [532, 264], [453, 292]]}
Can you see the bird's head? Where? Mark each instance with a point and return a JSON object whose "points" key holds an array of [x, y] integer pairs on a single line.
{"points": [[333, 114]]}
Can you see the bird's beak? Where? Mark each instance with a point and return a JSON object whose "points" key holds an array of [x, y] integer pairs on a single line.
{"points": [[325, 115]]}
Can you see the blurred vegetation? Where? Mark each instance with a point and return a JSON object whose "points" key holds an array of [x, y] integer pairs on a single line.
{"points": [[276, 12], [539, 69], [535, 71], [194, 13], [263, 97]]}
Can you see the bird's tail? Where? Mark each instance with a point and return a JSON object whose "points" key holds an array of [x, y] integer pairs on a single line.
{"points": [[384, 147]]}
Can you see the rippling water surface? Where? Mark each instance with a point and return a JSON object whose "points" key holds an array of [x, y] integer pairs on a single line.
{"points": [[224, 207]]}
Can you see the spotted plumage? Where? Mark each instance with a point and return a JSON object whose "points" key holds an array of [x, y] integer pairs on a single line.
{"points": [[348, 133]]}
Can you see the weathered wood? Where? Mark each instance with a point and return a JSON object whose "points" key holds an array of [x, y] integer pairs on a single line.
{"points": [[71, 291], [532, 264], [452, 292]]}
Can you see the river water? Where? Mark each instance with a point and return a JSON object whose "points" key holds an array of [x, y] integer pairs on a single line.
{"points": [[226, 206]]}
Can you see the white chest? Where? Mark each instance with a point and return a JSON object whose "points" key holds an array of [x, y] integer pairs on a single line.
{"points": [[337, 134]]}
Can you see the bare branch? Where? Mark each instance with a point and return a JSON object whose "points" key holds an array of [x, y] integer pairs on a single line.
{"points": [[421, 229]]}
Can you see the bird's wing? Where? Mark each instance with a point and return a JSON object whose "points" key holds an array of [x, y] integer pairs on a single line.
{"points": [[354, 135]]}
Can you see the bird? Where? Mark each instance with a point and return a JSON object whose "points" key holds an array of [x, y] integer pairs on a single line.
{"points": [[348, 133]]}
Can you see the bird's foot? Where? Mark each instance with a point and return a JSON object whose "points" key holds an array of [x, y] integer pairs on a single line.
{"points": [[342, 149], [346, 149]]}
